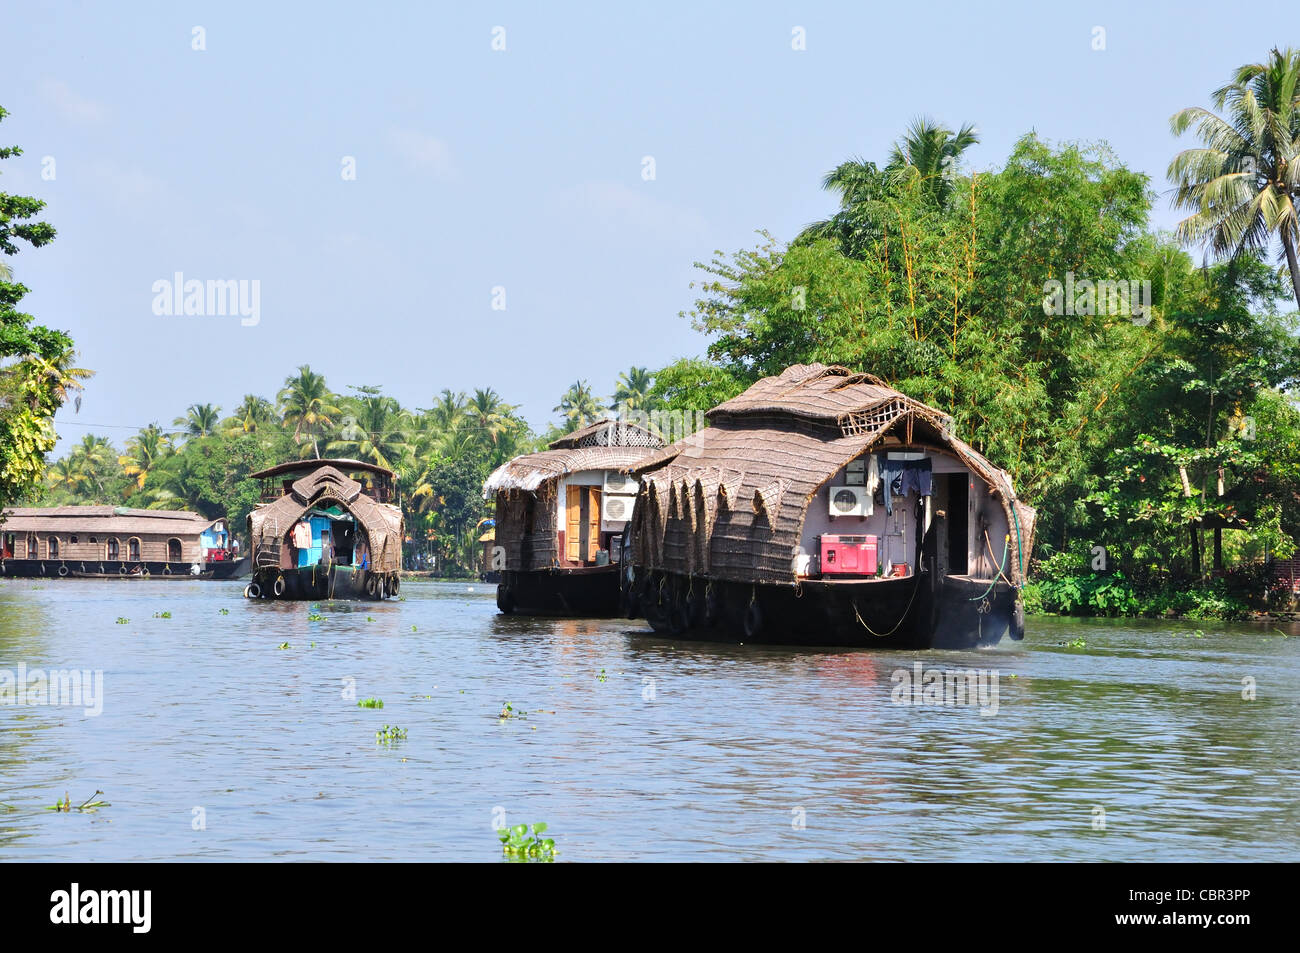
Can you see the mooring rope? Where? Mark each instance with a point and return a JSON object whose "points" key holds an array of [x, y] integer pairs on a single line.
{"points": [[880, 635]]}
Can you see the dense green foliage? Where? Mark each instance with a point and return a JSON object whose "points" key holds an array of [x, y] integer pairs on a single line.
{"points": [[36, 375], [441, 456], [1149, 420]]}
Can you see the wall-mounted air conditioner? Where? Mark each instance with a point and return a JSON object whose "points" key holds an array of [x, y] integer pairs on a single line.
{"points": [[621, 484], [849, 501], [616, 509]]}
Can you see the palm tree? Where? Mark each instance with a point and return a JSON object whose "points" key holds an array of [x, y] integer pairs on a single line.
{"points": [[89, 463], [861, 186], [307, 406], [252, 414], [491, 415], [579, 406], [632, 391], [59, 376], [200, 420], [374, 430], [928, 153], [143, 452], [1242, 186], [446, 410]]}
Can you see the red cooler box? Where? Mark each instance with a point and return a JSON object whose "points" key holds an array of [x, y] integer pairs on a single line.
{"points": [[848, 555]]}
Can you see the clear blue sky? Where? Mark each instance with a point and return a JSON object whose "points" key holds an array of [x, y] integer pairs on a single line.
{"points": [[520, 168]]}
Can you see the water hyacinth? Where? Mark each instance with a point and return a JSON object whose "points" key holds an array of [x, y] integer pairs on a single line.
{"points": [[519, 844]]}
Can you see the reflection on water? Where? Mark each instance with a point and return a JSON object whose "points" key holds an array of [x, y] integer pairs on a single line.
{"points": [[630, 746]]}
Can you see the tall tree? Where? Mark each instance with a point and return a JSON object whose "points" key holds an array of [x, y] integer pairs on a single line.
{"points": [[29, 395], [374, 429], [307, 406], [633, 389], [200, 420], [1242, 186], [144, 451], [928, 153], [579, 406]]}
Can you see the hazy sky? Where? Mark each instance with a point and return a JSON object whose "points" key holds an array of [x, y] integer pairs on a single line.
{"points": [[520, 169]]}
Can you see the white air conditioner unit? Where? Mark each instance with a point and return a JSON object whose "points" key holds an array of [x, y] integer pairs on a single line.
{"points": [[616, 509], [620, 483], [849, 501]]}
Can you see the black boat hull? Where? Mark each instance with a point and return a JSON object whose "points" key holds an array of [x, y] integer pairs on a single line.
{"points": [[118, 569], [913, 612], [590, 592], [319, 582]]}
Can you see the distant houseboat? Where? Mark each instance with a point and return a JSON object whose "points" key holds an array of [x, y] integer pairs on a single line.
{"points": [[115, 542], [560, 515], [325, 529], [821, 507]]}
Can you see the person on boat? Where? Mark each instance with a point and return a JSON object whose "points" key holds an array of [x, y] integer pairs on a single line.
{"points": [[326, 548], [362, 555]]}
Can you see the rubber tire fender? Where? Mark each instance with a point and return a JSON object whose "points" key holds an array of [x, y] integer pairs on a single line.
{"points": [[505, 600], [1018, 621]]}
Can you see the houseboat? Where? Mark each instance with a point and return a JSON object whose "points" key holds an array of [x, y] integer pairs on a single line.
{"points": [[560, 516], [822, 507], [325, 529], [116, 542]]}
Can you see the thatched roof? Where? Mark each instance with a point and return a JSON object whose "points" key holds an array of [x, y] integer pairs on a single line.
{"points": [[106, 520], [305, 465], [605, 445], [324, 487], [771, 449]]}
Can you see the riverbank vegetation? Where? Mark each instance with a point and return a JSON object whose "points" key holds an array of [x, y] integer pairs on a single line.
{"points": [[1139, 386], [440, 454]]}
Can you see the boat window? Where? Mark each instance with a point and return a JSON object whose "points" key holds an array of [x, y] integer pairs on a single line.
{"points": [[133, 549], [31, 548], [173, 550], [73, 539], [112, 548], [52, 547]]}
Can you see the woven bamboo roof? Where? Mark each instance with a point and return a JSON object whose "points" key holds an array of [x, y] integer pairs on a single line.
{"points": [[605, 445], [768, 451], [327, 486], [307, 465]]}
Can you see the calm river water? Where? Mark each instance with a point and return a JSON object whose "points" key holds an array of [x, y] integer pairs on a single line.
{"points": [[215, 743]]}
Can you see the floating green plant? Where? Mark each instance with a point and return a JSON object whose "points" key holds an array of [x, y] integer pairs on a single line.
{"points": [[518, 843], [370, 618], [509, 711], [413, 629], [315, 617], [388, 734], [65, 804], [162, 615], [284, 645], [601, 676], [1075, 644], [122, 620], [224, 611], [370, 703]]}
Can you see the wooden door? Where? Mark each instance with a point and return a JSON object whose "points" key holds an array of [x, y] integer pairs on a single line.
{"points": [[573, 522], [593, 527]]}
